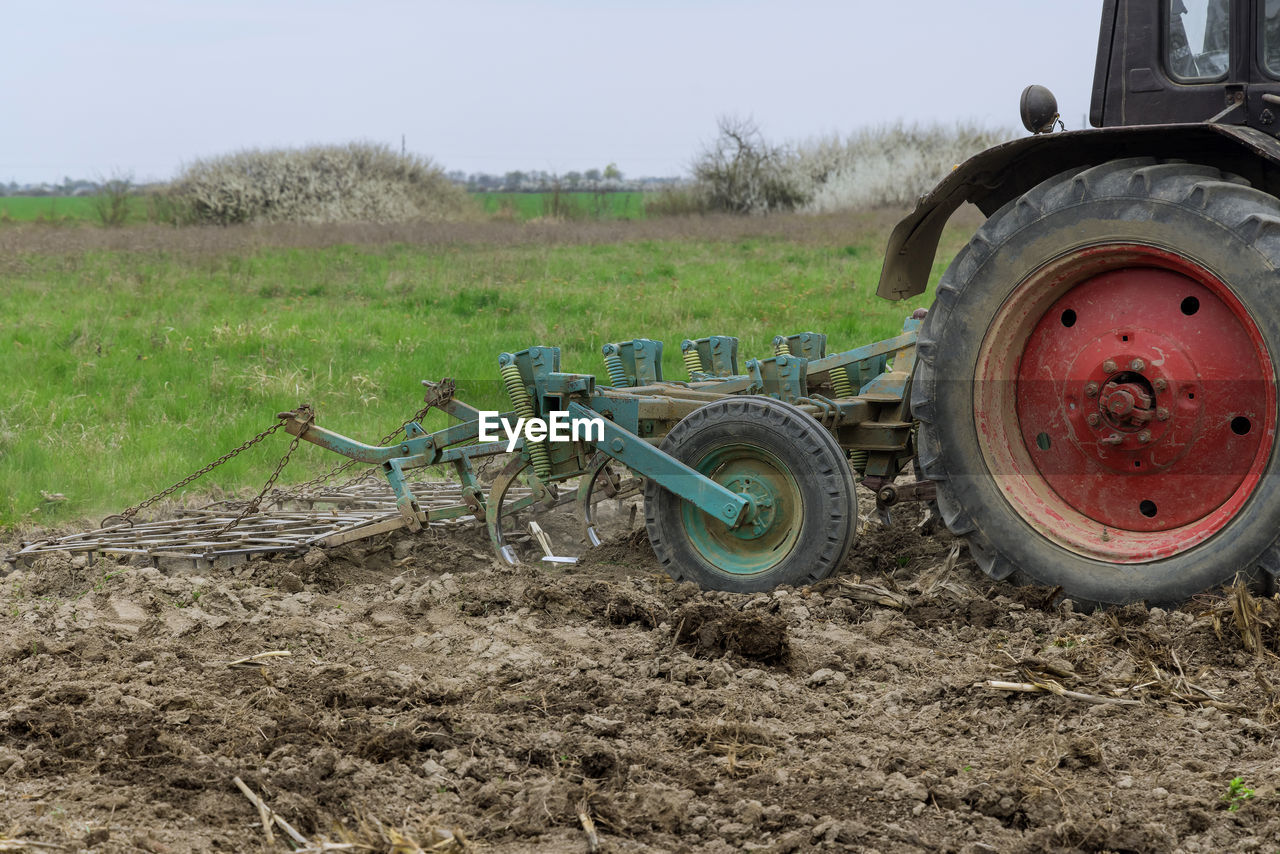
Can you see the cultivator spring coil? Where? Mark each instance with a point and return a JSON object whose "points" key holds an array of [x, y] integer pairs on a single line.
{"points": [[523, 406], [692, 361], [613, 365]]}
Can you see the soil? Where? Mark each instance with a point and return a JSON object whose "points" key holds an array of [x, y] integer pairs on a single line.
{"points": [[432, 695]]}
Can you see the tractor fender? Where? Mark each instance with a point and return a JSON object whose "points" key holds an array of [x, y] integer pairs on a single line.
{"points": [[1004, 172]]}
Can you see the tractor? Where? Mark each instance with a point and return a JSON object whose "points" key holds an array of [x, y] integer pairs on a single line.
{"points": [[1090, 402]]}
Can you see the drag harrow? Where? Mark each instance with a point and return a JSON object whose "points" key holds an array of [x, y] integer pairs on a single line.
{"points": [[746, 473], [293, 520]]}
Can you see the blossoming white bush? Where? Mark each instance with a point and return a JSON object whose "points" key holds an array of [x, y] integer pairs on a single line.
{"points": [[889, 166], [885, 166], [357, 182]]}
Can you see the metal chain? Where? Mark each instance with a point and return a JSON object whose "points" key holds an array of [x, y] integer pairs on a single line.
{"points": [[127, 516], [308, 417], [438, 394], [299, 488]]}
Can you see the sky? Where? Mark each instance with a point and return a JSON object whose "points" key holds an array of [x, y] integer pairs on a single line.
{"points": [[140, 87]]}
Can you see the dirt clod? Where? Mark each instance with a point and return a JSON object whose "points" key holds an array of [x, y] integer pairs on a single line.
{"points": [[714, 629]]}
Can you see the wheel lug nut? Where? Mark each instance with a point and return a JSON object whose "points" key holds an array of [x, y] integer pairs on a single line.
{"points": [[1109, 367], [1144, 436], [1137, 365], [1091, 389], [1162, 414], [1094, 419], [1160, 384]]}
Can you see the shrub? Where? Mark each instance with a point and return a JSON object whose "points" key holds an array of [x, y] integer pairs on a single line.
{"points": [[111, 204], [684, 200], [889, 166], [558, 204], [358, 182], [884, 166], [166, 207], [742, 173]]}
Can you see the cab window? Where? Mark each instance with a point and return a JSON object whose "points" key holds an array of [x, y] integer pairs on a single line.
{"points": [[1271, 37], [1198, 37]]}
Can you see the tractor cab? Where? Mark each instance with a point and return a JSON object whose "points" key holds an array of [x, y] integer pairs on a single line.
{"points": [[1182, 61]]}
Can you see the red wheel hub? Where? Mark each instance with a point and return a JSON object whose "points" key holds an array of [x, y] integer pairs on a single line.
{"points": [[1127, 404], [1144, 399]]}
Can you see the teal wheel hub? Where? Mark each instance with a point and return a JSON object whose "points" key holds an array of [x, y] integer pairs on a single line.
{"points": [[761, 509], [772, 522]]}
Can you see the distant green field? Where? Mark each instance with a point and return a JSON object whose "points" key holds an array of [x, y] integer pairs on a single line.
{"points": [[517, 206], [526, 206], [60, 209]]}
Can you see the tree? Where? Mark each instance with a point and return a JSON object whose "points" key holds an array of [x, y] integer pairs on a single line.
{"points": [[612, 172], [742, 173]]}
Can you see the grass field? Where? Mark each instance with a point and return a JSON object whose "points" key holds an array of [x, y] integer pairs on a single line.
{"points": [[516, 206], [526, 206], [60, 209], [125, 370]]}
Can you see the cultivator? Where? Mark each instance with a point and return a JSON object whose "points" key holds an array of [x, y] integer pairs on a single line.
{"points": [[731, 500], [746, 469]]}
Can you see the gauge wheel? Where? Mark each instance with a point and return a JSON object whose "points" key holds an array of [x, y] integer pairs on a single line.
{"points": [[802, 515]]}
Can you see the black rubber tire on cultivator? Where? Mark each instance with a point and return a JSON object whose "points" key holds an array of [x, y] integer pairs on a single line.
{"points": [[1047, 484], [782, 456]]}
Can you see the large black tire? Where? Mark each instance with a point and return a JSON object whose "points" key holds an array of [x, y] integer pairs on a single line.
{"points": [[814, 516], [1000, 306]]}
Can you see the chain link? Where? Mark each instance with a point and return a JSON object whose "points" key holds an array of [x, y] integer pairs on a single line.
{"points": [[437, 395], [127, 516]]}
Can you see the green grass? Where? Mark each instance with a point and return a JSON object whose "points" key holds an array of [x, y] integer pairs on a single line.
{"points": [[46, 208], [526, 206], [61, 209], [125, 371], [517, 206]]}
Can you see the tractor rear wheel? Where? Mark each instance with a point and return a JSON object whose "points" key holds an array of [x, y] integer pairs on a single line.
{"points": [[1096, 384], [802, 517]]}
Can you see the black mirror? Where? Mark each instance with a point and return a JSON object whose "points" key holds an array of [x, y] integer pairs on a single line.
{"points": [[1039, 109]]}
